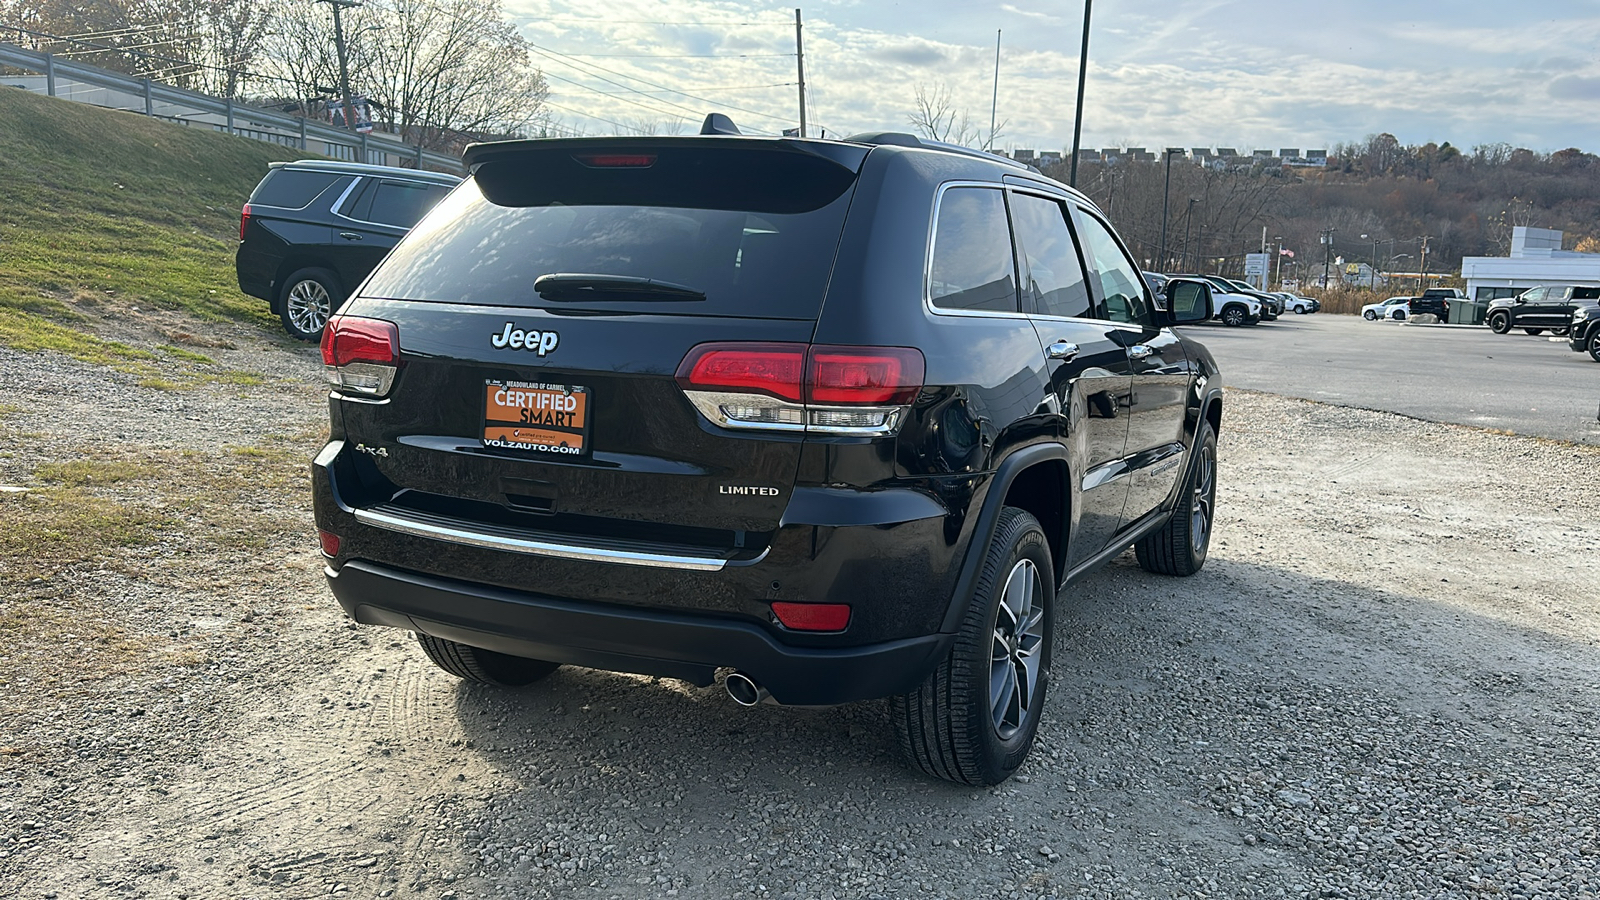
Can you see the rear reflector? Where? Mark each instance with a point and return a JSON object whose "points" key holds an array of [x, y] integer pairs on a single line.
{"points": [[360, 354], [617, 160], [813, 616], [330, 543]]}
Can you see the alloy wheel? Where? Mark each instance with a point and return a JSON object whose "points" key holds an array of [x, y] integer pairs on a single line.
{"points": [[1205, 498], [1015, 655], [308, 305]]}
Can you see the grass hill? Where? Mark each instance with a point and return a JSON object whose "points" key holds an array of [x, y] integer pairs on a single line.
{"points": [[102, 210]]}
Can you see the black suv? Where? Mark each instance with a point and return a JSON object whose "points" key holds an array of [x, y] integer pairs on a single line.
{"points": [[1584, 333], [1540, 309], [837, 418], [314, 229]]}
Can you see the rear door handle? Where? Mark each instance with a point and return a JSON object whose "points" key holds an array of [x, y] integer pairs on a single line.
{"points": [[1062, 350], [350, 235], [1139, 351]]}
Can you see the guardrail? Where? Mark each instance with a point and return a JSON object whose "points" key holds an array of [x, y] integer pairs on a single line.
{"points": [[72, 80]]}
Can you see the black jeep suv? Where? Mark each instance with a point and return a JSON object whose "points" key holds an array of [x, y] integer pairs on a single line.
{"points": [[837, 418], [314, 229]]}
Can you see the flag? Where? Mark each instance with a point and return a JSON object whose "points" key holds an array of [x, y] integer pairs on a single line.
{"points": [[791, 132], [1288, 253]]}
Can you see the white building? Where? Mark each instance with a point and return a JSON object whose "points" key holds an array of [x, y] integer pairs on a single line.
{"points": [[1536, 259]]}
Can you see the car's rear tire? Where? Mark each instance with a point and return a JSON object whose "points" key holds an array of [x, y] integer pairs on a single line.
{"points": [[1533, 331], [483, 666], [962, 724], [1370, 315], [310, 297], [1559, 332], [1233, 316], [1594, 344], [1399, 315], [1180, 546], [1500, 323]]}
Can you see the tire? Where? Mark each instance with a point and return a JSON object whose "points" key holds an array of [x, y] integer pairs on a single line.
{"points": [[1299, 310], [483, 666], [1533, 331], [1500, 323], [1594, 344], [1233, 316], [309, 298], [1180, 546], [1399, 315], [1369, 315], [1559, 332], [948, 727]]}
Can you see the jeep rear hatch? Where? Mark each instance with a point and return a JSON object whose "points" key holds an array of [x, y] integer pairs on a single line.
{"points": [[544, 313]]}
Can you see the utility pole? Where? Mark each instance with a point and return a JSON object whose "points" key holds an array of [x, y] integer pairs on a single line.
{"points": [[1327, 254], [800, 64], [1188, 216], [994, 102], [1161, 257], [1422, 277], [1279, 264], [344, 64], [1083, 72]]}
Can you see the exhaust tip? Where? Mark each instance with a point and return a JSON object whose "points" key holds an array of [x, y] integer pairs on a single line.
{"points": [[743, 689]]}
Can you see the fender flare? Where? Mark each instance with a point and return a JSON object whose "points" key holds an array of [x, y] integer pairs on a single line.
{"points": [[994, 499]]}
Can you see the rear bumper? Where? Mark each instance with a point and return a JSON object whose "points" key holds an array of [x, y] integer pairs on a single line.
{"points": [[626, 639]]}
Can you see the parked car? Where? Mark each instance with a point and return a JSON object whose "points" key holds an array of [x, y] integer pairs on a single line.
{"points": [[313, 229], [1537, 310], [1436, 302], [675, 405], [1297, 305], [1231, 307], [1271, 306], [1583, 335], [1396, 308]]}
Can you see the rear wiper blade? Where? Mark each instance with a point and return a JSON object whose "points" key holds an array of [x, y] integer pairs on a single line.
{"points": [[571, 286]]}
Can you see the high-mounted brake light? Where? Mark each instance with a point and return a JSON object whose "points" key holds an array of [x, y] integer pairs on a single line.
{"points": [[361, 355], [616, 160], [244, 219], [802, 387]]}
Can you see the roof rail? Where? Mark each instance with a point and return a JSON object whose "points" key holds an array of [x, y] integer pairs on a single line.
{"points": [[901, 139]]}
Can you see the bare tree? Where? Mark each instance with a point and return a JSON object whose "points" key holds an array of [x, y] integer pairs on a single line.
{"points": [[937, 118]]}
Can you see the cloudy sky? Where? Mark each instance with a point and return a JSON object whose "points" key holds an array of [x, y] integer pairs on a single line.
{"points": [[1240, 73]]}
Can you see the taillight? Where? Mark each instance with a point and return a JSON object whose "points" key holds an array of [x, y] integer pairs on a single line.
{"points": [[361, 355], [244, 219], [802, 387]]}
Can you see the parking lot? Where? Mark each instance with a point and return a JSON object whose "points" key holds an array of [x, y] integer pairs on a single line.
{"points": [[1381, 685], [1470, 376]]}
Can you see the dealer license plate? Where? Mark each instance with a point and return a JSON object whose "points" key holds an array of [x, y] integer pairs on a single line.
{"points": [[536, 418]]}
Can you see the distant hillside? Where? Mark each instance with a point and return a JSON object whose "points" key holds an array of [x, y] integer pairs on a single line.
{"points": [[114, 209]]}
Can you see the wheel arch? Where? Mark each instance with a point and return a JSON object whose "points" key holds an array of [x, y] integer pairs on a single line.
{"points": [[1036, 468]]}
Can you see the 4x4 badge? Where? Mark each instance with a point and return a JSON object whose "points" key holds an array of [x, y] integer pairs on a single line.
{"points": [[517, 339]]}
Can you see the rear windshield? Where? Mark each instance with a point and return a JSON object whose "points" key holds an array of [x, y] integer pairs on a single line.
{"points": [[771, 260]]}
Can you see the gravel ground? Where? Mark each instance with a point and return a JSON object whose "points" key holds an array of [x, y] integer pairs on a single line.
{"points": [[1383, 684]]}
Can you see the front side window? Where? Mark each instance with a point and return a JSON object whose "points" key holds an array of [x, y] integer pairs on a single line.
{"points": [[1052, 275], [1121, 289], [1535, 295], [973, 266]]}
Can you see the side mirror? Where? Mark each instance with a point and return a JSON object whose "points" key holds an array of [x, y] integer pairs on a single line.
{"points": [[1188, 302]]}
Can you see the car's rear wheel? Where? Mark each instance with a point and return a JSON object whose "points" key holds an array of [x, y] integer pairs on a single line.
{"points": [[1533, 331], [1594, 344], [1370, 315], [1500, 323], [1180, 546], [1559, 332], [483, 666], [1399, 315], [310, 297], [974, 718]]}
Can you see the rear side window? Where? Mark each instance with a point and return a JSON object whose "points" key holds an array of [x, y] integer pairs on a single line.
{"points": [[972, 262], [292, 188], [756, 264], [1052, 275], [402, 203]]}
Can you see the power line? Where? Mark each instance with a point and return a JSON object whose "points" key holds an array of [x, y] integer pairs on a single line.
{"points": [[683, 55], [621, 97], [560, 57]]}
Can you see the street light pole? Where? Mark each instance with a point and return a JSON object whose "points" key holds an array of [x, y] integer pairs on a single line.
{"points": [[1188, 215], [1165, 191], [1083, 72]]}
